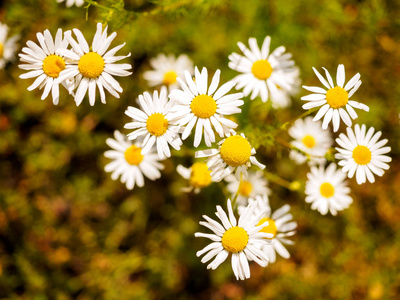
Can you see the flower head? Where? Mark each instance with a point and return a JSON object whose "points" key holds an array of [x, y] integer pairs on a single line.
{"points": [[264, 73], [93, 68], [129, 163], [8, 46], [234, 154], [198, 175], [69, 3], [326, 190], [241, 238], [335, 101], [362, 154], [204, 106]]}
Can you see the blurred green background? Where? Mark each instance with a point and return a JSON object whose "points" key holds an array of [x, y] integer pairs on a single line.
{"points": [[67, 231]]}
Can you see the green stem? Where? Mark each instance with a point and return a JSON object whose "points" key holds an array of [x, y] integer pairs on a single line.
{"points": [[237, 192], [293, 186], [287, 124]]}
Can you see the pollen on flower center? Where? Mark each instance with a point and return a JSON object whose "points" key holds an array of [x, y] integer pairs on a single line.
{"points": [[157, 124], [261, 69], [133, 155], [200, 176], [169, 77], [362, 155], [337, 97], [235, 239], [270, 228], [91, 65], [53, 65], [203, 106], [1, 50], [235, 150], [245, 188], [308, 141], [327, 190]]}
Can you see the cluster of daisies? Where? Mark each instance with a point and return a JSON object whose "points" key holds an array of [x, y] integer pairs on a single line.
{"points": [[192, 104], [360, 152]]}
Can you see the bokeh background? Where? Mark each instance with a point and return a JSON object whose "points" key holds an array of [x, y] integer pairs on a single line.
{"points": [[67, 231]]}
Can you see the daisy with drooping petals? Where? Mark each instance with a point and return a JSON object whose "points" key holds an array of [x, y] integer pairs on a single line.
{"points": [[8, 46], [94, 68], [167, 69], [327, 190], [264, 73], [234, 154], [129, 163], [198, 175], [361, 153], [202, 107], [69, 3], [154, 122], [311, 139], [280, 225], [243, 239], [46, 62], [334, 99], [248, 187]]}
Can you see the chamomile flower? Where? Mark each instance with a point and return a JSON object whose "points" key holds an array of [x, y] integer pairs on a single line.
{"points": [[361, 153], [69, 3], [167, 69], [94, 68], [248, 187], [154, 122], [281, 98], [46, 62], [129, 163], [280, 225], [311, 139], [205, 107], [198, 175], [242, 239], [335, 101], [234, 154], [326, 190], [264, 73], [8, 46]]}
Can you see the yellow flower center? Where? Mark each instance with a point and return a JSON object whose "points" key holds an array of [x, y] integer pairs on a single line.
{"points": [[203, 106], [169, 77], [53, 65], [261, 69], [200, 176], [327, 190], [308, 141], [133, 155], [235, 239], [337, 97], [245, 188], [91, 65], [235, 150], [362, 155], [157, 124], [1, 50], [271, 228]]}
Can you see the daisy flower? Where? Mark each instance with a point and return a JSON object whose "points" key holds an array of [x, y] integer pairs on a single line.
{"points": [[234, 154], [154, 122], [280, 226], [264, 73], [327, 190], [205, 106], [281, 98], [94, 68], [129, 163], [69, 3], [311, 139], [166, 69], [335, 99], [8, 46], [198, 175], [46, 62], [248, 187], [242, 239], [361, 153]]}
